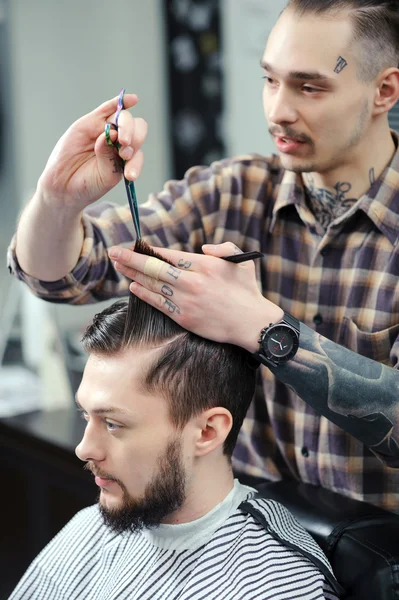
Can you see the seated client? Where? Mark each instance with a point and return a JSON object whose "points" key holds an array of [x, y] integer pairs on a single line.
{"points": [[163, 410]]}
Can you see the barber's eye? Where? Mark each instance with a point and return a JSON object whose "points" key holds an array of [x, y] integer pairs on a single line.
{"points": [[268, 79], [309, 88]]}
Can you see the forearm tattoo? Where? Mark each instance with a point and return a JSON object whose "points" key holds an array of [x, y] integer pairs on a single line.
{"points": [[356, 393]]}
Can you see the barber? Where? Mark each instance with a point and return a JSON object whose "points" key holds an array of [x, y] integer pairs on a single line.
{"points": [[321, 311]]}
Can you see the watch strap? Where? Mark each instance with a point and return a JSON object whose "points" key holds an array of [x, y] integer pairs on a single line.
{"points": [[291, 321], [287, 319]]}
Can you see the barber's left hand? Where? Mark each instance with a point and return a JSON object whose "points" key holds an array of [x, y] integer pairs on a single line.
{"points": [[213, 298]]}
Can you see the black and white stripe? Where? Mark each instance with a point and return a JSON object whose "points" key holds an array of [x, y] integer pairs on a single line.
{"points": [[243, 561]]}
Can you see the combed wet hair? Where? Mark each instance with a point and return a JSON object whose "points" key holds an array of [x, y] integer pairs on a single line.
{"points": [[375, 29], [192, 373]]}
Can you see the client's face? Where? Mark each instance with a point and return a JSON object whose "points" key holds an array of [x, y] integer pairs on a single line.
{"points": [[130, 444]]}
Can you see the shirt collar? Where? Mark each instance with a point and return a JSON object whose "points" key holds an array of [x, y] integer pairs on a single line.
{"points": [[380, 203], [290, 192]]}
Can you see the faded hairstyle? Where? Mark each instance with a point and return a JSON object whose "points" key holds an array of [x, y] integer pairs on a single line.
{"points": [[375, 30], [193, 374]]}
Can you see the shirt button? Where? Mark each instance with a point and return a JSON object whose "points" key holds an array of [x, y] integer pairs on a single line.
{"points": [[318, 319], [305, 452]]}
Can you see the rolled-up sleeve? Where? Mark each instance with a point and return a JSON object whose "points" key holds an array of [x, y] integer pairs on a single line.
{"points": [[209, 205]]}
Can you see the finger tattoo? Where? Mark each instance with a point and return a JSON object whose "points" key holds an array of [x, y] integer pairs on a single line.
{"points": [[184, 264], [173, 272], [172, 308], [166, 290]]}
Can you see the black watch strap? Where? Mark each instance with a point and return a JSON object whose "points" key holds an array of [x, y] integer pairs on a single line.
{"points": [[290, 320], [287, 319]]}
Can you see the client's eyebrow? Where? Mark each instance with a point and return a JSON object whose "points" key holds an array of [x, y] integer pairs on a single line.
{"points": [[104, 411]]}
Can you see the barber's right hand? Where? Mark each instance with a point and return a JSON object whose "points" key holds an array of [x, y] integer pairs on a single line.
{"points": [[83, 167]]}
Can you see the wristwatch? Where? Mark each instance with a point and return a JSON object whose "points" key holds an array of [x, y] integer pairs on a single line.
{"points": [[278, 343]]}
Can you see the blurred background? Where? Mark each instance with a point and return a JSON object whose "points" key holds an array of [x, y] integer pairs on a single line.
{"points": [[195, 67]]}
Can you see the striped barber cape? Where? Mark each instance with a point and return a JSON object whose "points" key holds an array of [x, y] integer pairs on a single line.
{"points": [[259, 552]]}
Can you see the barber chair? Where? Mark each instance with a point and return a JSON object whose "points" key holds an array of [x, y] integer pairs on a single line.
{"points": [[360, 540]]}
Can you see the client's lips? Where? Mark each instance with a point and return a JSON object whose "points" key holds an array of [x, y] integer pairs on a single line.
{"points": [[101, 482]]}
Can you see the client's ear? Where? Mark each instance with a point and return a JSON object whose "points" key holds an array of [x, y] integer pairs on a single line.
{"points": [[213, 427]]}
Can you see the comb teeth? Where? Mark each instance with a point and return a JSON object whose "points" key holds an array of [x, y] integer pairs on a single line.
{"points": [[141, 247]]}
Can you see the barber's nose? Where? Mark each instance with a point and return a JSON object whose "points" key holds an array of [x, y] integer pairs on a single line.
{"points": [[280, 108], [90, 448]]}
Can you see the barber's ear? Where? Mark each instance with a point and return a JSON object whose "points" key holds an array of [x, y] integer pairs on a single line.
{"points": [[387, 91], [213, 427]]}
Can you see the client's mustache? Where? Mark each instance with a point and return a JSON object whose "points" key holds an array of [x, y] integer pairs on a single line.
{"points": [[97, 472]]}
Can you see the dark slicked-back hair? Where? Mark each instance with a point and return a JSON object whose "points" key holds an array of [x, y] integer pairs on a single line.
{"points": [[375, 29], [192, 373]]}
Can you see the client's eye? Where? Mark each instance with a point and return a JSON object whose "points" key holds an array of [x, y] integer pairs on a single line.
{"points": [[112, 426]]}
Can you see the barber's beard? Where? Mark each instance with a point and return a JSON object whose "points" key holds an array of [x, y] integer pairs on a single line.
{"points": [[165, 493]]}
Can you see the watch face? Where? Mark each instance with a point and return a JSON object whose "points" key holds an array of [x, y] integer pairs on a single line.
{"points": [[281, 342]]}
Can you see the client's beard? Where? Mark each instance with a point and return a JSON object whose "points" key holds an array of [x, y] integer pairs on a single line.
{"points": [[165, 493]]}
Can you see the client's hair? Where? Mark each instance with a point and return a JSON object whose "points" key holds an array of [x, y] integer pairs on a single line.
{"points": [[192, 373]]}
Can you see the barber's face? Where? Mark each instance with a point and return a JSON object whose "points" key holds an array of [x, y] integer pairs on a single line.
{"points": [[318, 124], [130, 443]]}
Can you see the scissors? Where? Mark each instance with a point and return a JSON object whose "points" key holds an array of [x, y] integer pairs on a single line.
{"points": [[131, 192], [129, 185]]}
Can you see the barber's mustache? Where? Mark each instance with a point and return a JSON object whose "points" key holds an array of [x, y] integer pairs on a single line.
{"points": [[289, 133]]}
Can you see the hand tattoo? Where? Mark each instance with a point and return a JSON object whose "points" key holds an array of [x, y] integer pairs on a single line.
{"points": [[167, 291], [118, 164], [341, 64], [172, 308], [173, 272], [327, 206], [184, 264]]}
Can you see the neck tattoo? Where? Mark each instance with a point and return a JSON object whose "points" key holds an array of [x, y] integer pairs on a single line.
{"points": [[327, 205]]}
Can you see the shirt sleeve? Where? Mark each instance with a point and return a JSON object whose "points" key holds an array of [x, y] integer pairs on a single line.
{"points": [[210, 205]]}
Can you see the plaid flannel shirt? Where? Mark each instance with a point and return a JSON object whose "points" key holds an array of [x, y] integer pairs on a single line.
{"points": [[343, 283]]}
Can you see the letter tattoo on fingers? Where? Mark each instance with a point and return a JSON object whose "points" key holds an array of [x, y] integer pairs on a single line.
{"points": [[184, 264], [172, 308], [166, 290], [173, 272]]}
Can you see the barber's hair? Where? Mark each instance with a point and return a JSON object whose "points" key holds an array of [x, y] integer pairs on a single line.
{"points": [[375, 29], [193, 374]]}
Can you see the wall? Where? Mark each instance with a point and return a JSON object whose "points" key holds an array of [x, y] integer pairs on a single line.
{"points": [[246, 26], [66, 58]]}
